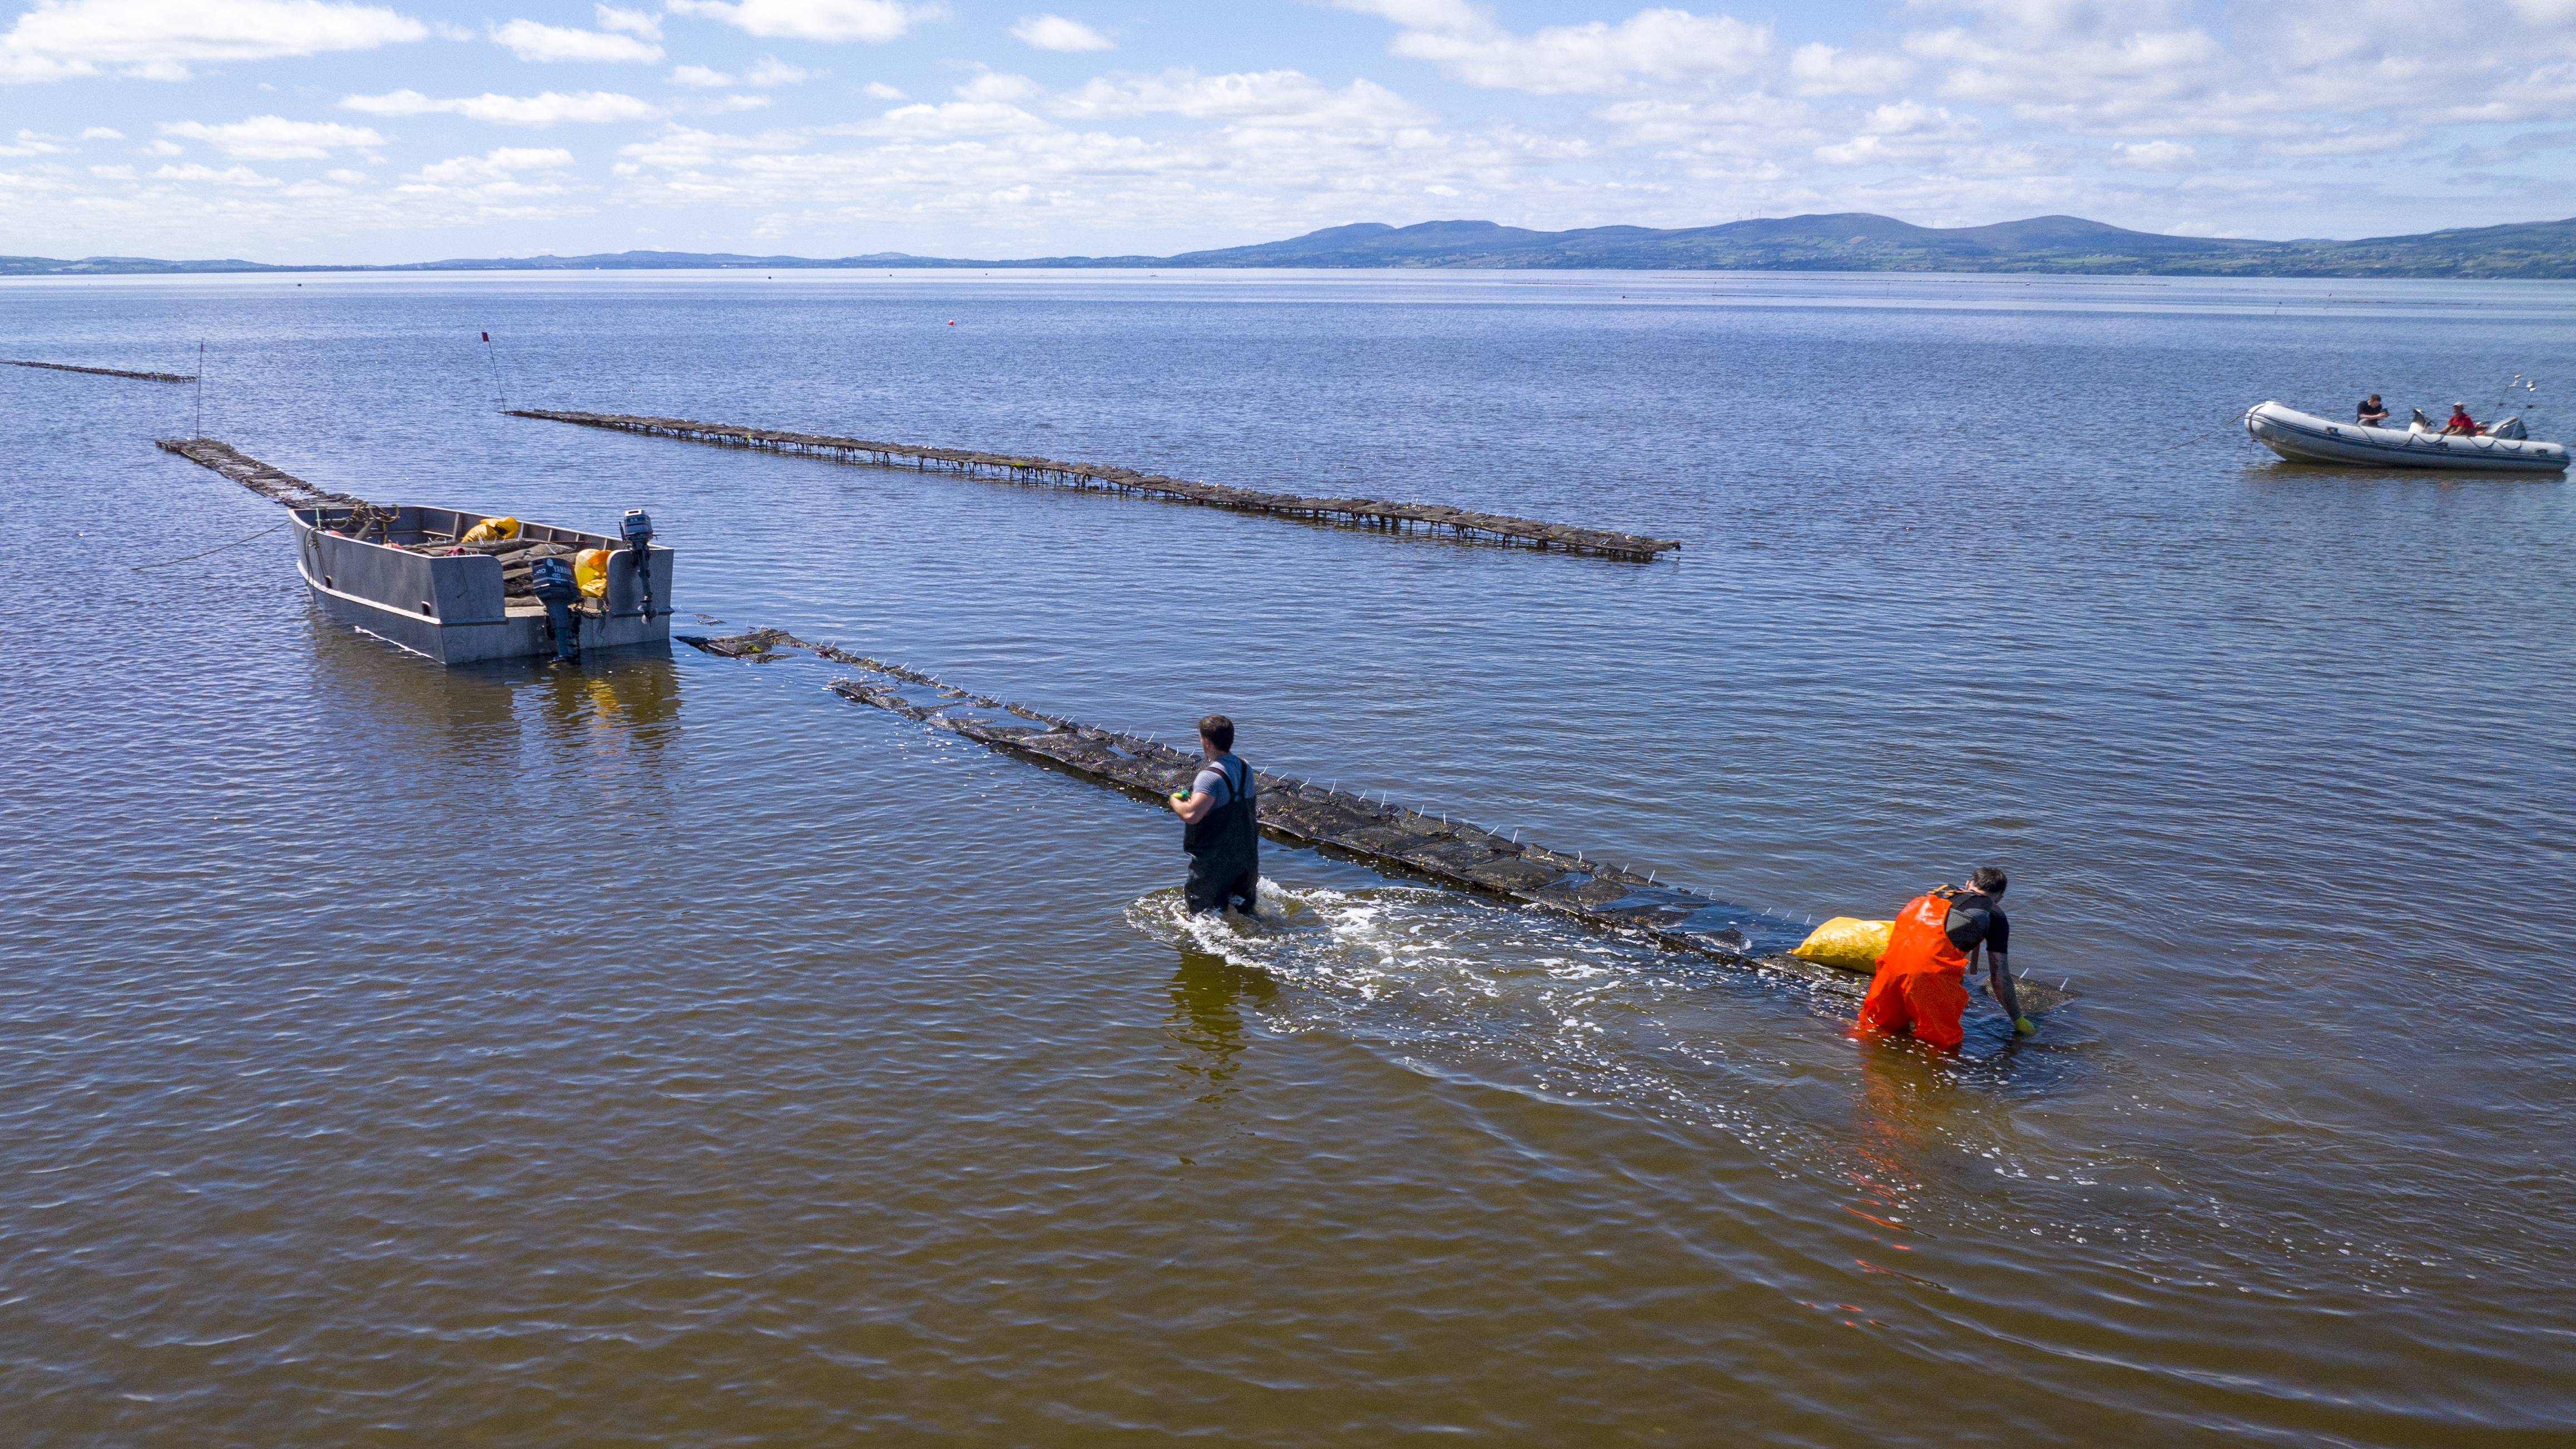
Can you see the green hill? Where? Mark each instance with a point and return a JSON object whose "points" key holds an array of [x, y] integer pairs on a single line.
{"points": [[1842, 242]]}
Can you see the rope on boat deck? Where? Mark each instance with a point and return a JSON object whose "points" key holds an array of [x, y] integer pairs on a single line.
{"points": [[219, 548]]}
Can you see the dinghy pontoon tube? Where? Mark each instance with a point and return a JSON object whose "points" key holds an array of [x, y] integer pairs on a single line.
{"points": [[2306, 438]]}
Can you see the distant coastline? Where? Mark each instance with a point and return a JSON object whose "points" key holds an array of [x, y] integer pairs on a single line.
{"points": [[1845, 242]]}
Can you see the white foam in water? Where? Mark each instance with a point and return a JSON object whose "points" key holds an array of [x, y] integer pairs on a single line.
{"points": [[1467, 990], [1513, 997]]}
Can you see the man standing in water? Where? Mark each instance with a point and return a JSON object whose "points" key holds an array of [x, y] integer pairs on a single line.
{"points": [[1217, 825], [1922, 975]]}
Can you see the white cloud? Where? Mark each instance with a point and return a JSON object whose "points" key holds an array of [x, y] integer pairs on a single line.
{"points": [[36, 143], [102, 133], [634, 22], [275, 138], [1822, 70], [988, 105], [501, 164], [157, 39], [1282, 153], [2154, 156], [2516, 148], [1904, 132], [954, 118], [2083, 76], [874, 21], [511, 181], [1261, 93], [529, 40], [1598, 58], [1054, 32], [996, 85], [2254, 118], [547, 109], [229, 176], [1731, 139]]}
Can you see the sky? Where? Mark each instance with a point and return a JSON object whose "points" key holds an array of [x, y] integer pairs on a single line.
{"points": [[340, 131]]}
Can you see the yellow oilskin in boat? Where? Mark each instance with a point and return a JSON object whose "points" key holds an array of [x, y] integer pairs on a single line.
{"points": [[491, 530], [590, 570], [1848, 942]]}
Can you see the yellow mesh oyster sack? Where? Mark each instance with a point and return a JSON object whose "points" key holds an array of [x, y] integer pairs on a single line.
{"points": [[1847, 942]]}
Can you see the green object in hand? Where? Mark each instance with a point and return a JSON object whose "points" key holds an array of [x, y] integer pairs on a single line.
{"points": [[2024, 1026], [1184, 795]]}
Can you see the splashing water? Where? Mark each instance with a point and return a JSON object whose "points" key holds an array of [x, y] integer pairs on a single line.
{"points": [[1461, 989]]}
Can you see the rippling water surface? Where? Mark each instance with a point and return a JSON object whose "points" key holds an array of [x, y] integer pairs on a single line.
{"points": [[666, 1051]]}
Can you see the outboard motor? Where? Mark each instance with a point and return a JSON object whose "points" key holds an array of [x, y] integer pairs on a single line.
{"points": [[556, 588], [637, 529]]}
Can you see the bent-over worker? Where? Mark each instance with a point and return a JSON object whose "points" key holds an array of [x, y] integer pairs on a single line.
{"points": [[1921, 984], [1218, 827], [2370, 414]]}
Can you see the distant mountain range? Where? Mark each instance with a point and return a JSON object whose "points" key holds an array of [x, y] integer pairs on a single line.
{"points": [[1846, 242]]}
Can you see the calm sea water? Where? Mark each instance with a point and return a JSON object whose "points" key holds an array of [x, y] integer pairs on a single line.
{"points": [[666, 1051]]}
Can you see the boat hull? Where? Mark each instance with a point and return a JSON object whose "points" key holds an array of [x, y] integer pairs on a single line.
{"points": [[2306, 438], [452, 607]]}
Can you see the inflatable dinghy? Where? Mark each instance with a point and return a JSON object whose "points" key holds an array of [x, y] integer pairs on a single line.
{"points": [[2306, 438]]}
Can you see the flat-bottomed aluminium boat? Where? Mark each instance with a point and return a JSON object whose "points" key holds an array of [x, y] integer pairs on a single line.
{"points": [[406, 574]]}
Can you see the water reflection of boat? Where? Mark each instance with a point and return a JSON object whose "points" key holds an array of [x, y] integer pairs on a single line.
{"points": [[2306, 438], [402, 574]]}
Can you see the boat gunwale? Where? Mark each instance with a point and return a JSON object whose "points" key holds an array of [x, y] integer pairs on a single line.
{"points": [[308, 526]]}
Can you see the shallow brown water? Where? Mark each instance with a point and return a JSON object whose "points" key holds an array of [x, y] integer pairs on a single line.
{"points": [[667, 1051]]}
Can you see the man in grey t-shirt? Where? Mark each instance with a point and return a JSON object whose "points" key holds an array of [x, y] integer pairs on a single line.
{"points": [[1219, 827]]}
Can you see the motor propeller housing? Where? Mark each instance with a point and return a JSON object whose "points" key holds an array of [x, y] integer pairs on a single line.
{"points": [[558, 590], [637, 529]]}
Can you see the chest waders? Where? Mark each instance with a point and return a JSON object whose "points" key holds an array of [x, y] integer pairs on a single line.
{"points": [[1225, 847]]}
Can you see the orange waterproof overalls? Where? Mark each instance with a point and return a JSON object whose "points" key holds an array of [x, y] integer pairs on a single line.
{"points": [[1921, 980]]}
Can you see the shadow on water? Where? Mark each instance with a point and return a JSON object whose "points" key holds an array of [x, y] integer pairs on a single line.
{"points": [[496, 719], [2284, 472], [1208, 996]]}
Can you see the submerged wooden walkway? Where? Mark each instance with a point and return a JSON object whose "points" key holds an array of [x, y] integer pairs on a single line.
{"points": [[1373, 513], [258, 477], [104, 371], [1398, 839]]}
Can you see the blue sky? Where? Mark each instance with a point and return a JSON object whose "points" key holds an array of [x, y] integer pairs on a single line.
{"points": [[359, 131]]}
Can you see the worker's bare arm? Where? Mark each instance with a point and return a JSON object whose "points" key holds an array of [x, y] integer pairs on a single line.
{"points": [[1193, 809], [1999, 980]]}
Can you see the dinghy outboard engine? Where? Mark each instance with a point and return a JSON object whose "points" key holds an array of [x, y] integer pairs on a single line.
{"points": [[552, 578], [637, 529]]}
